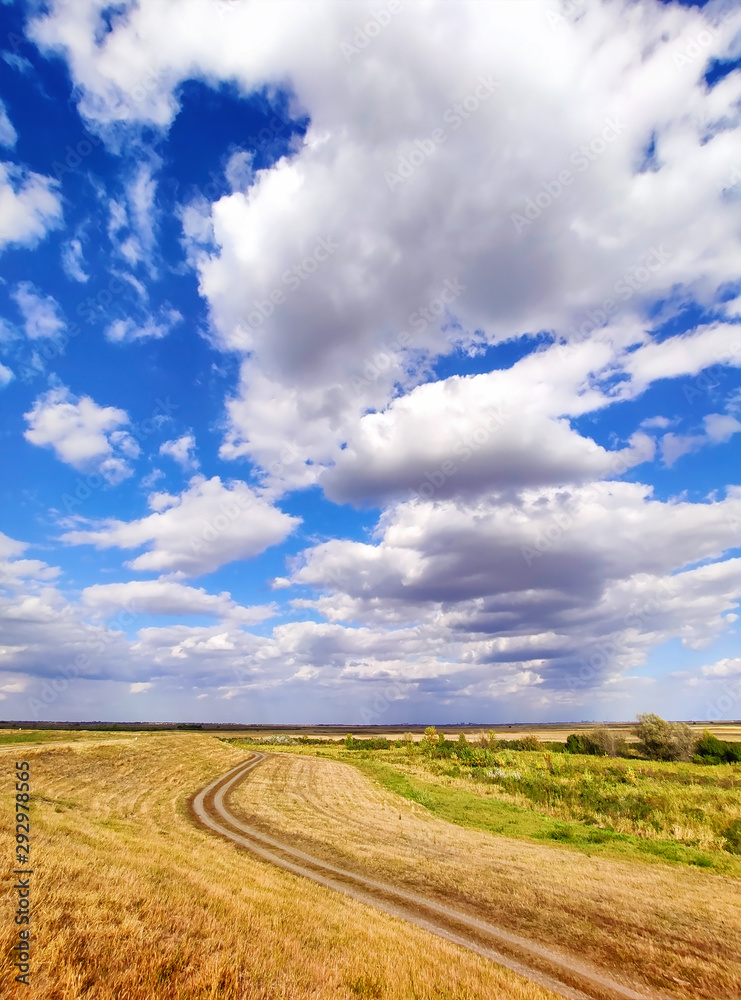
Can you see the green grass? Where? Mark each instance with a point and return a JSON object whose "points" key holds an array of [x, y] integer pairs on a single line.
{"points": [[477, 811]]}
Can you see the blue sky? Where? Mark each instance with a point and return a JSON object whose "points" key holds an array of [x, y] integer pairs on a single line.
{"points": [[369, 364]]}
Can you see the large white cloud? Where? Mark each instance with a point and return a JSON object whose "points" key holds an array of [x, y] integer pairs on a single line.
{"points": [[82, 433], [208, 525], [495, 433], [325, 257], [549, 582]]}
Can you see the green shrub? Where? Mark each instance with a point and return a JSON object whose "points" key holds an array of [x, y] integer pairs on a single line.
{"points": [[711, 750], [530, 743], [380, 743], [583, 743], [662, 740]]}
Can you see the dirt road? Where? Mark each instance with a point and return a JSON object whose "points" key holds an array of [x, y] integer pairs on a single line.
{"points": [[548, 967]]}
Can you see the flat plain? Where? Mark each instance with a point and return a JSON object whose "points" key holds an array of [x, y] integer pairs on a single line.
{"points": [[131, 899]]}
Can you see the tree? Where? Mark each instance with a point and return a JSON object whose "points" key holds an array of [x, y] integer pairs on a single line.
{"points": [[430, 740], [606, 739], [662, 740]]}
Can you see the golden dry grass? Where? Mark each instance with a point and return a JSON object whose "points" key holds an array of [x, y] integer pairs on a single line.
{"points": [[132, 901], [676, 928]]}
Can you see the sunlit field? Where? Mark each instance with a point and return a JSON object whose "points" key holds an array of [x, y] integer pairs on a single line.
{"points": [[536, 848], [131, 900]]}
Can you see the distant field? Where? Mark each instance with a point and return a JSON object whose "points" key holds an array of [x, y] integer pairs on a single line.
{"points": [[132, 901], [543, 731], [24, 736], [556, 732]]}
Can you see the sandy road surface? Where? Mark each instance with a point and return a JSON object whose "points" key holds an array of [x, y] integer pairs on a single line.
{"points": [[548, 967]]}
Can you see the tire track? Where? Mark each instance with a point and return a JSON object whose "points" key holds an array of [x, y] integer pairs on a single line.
{"points": [[560, 973]]}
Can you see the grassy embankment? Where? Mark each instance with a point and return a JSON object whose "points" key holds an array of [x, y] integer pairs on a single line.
{"points": [[132, 901], [676, 927]]}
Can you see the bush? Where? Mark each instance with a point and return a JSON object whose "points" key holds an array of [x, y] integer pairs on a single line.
{"points": [[607, 739], [583, 743], [711, 750], [530, 743], [379, 743], [662, 740]]}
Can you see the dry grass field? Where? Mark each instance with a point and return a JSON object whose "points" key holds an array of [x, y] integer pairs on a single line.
{"points": [[674, 927], [131, 901]]}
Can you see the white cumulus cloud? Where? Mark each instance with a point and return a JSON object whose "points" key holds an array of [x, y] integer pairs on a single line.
{"points": [[208, 525], [82, 433], [182, 450]]}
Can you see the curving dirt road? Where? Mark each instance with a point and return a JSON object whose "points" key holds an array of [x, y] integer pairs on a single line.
{"points": [[548, 967]]}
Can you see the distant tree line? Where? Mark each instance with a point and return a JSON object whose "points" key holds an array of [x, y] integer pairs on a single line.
{"points": [[657, 740]]}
